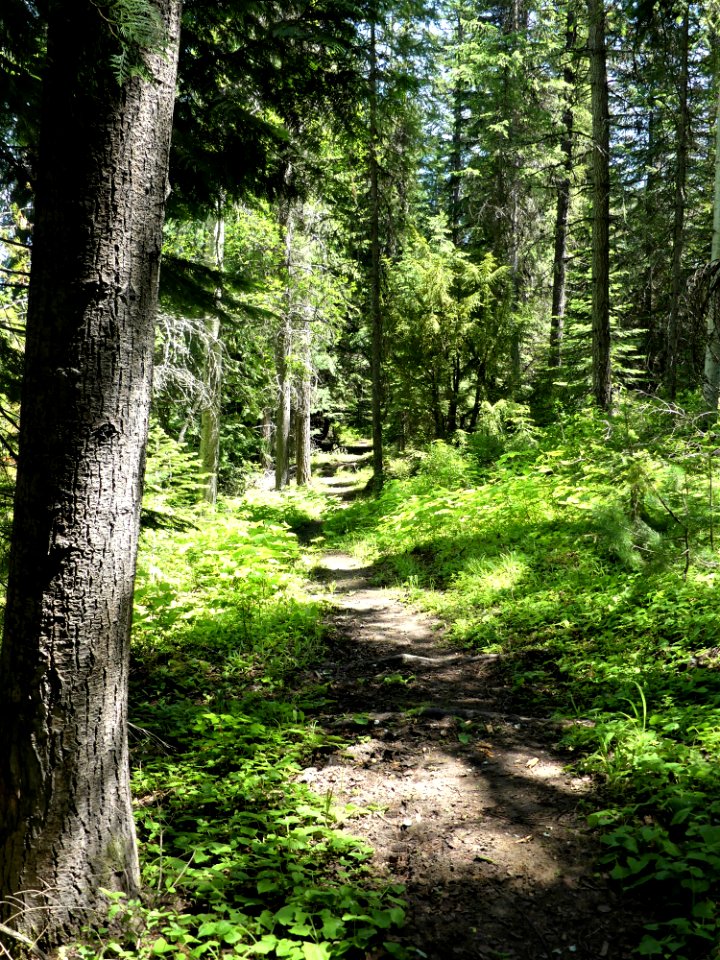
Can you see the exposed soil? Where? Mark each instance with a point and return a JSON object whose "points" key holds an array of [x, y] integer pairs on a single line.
{"points": [[468, 804]]}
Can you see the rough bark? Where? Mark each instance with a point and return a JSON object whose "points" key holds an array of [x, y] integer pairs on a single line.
{"points": [[681, 148], [66, 824], [210, 413], [654, 349], [511, 195], [562, 209], [711, 378], [601, 366], [375, 273]]}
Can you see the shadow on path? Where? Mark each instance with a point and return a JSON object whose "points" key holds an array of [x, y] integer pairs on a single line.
{"points": [[465, 802]]}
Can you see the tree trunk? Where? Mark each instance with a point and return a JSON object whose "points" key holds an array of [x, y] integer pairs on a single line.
{"points": [[514, 23], [454, 396], [477, 401], [655, 346], [267, 435], [601, 368], [282, 419], [436, 407], [683, 124], [66, 823], [562, 210], [711, 380], [456, 151], [210, 414], [375, 278], [283, 352], [304, 390]]}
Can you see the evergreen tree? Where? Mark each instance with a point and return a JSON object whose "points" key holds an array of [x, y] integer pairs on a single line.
{"points": [[66, 823]]}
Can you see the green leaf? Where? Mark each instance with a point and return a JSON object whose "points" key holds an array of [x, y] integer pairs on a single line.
{"points": [[316, 951], [232, 936], [265, 945], [332, 928], [161, 946], [650, 947], [705, 910], [266, 885]]}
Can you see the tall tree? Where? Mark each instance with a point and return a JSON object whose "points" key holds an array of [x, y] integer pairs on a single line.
{"points": [[210, 413], [66, 824], [711, 373], [283, 356], [376, 323], [562, 209], [597, 51], [678, 242], [303, 394]]}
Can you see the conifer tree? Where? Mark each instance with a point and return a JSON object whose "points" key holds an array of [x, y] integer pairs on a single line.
{"points": [[597, 51], [66, 822]]}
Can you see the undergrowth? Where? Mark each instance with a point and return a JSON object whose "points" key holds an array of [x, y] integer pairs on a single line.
{"points": [[587, 555], [239, 859]]}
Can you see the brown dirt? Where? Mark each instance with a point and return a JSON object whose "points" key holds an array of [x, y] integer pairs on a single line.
{"points": [[469, 805]]}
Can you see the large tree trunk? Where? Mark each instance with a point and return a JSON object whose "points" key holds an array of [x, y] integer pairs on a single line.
{"points": [[601, 368], [66, 823], [375, 278], [681, 148], [562, 210], [210, 414]]}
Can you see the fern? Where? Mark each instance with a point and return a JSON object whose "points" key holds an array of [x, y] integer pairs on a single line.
{"points": [[138, 28]]}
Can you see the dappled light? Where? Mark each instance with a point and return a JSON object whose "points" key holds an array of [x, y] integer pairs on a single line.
{"points": [[359, 392], [468, 742]]}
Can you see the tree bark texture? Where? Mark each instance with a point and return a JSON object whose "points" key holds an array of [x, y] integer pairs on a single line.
{"points": [[601, 365], [210, 413], [711, 377], [375, 274], [66, 823], [681, 150], [562, 209], [655, 343]]}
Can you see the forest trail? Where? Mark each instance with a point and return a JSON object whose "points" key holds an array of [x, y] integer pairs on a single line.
{"points": [[467, 804]]}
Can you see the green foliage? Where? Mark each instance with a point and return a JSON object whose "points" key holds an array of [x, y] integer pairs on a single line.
{"points": [[502, 427], [239, 859], [587, 557], [138, 28], [173, 483], [450, 333], [443, 466]]}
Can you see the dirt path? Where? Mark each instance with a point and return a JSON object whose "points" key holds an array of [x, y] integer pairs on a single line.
{"points": [[467, 804]]}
